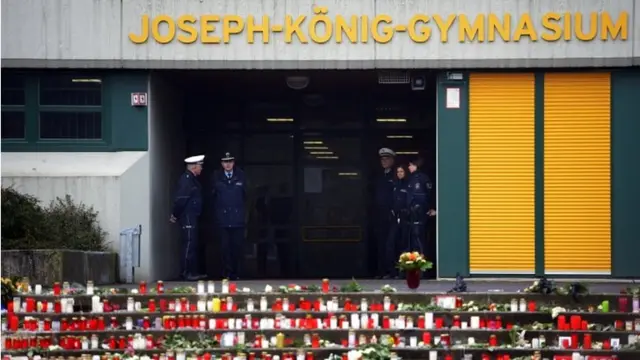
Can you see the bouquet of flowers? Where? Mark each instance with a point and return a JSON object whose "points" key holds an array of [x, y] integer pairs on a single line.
{"points": [[9, 288], [411, 261]]}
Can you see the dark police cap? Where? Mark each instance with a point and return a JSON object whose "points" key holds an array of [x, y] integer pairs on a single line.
{"points": [[227, 157]]}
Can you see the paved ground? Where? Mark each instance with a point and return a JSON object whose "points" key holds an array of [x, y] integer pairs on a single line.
{"points": [[595, 286]]}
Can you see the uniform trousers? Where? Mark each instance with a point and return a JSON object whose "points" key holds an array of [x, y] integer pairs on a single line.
{"points": [[190, 245], [232, 248]]}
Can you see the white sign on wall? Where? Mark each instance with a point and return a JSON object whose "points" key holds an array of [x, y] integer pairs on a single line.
{"points": [[138, 99]]}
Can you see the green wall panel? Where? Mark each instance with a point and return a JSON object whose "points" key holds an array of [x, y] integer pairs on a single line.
{"points": [[125, 128], [129, 124], [625, 173], [452, 182]]}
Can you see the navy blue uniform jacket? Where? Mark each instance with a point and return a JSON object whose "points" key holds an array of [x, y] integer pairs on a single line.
{"points": [[229, 198], [400, 196], [419, 190], [384, 191], [188, 199]]}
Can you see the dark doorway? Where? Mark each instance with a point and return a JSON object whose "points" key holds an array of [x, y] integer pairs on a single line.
{"points": [[310, 156]]}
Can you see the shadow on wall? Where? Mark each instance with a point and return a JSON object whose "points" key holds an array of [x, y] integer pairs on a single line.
{"points": [[166, 151]]}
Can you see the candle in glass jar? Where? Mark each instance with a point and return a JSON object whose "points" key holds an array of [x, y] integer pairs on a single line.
{"points": [[160, 287], [225, 286], [130, 304], [263, 303], [229, 303], [250, 306], [89, 287], [94, 341], [325, 285], [65, 288], [200, 288], [364, 305], [514, 305], [635, 303], [216, 304], [386, 303], [56, 288], [128, 324], [523, 305], [211, 287], [142, 287]]}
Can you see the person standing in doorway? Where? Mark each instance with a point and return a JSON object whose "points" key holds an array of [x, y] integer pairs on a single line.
{"points": [[187, 207], [418, 199], [399, 229], [383, 206], [229, 202]]}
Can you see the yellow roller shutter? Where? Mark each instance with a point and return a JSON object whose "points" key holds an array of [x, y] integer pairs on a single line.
{"points": [[577, 173], [502, 173]]}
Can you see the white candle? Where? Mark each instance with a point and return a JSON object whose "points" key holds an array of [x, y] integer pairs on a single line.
{"points": [[38, 289], [474, 322], [200, 288], [211, 287], [433, 355], [428, 320], [413, 341], [355, 321], [212, 324]]}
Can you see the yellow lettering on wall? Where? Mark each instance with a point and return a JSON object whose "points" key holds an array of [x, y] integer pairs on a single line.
{"points": [[550, 22], [349, 29], [503, 28], [189, 33], [293, 27], [617, 29], [207, 26], [386, 34], [253, 28], [567, 26], [231, 25], [364, 29], [444, 26], [320, 26], [525, 28], [155, 29], [593, 27], [422, 34], [471, 31], [144, 35]]}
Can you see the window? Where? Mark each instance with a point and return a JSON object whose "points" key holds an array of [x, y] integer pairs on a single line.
{"points": [[13, 106], [70, 107]]}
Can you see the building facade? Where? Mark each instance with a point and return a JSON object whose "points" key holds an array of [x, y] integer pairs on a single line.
{"points": [[536, 112]]}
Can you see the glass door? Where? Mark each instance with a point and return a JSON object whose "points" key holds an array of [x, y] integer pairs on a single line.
{"points": [[332, 205]]}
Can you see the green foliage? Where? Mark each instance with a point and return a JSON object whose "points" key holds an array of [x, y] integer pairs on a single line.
{"points": [[62, 225]]}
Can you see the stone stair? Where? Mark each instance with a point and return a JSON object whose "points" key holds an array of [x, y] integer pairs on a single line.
{"points": [[192, 322]]}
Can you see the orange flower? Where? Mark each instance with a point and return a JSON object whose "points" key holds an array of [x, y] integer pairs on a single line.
{"points": [[412, 256]]}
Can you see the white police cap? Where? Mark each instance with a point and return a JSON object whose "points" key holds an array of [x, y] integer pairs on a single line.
{"points": [[198, 159], [386, 152]]}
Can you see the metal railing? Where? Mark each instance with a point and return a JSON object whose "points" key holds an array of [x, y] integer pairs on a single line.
{"points": [[129, 253]]}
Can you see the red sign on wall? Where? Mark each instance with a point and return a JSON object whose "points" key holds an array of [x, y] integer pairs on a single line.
{"points": [[138, 99]]}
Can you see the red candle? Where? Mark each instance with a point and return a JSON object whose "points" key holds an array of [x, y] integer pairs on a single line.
{"points": [[232, 288], [576, 322], [562, 322], [315, 341], [421, 324], [606, 345], [56, 288], [426, 338], [10, 307], [142, 288], [439, 323], [493, 341], [160, 287], [574, 341], [585, 325], [385, 322], [13, 323], [152, 305], [531, 306], [565, 343], [325, 285], [586, 342]]}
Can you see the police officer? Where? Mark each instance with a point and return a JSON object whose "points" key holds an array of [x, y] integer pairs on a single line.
{"points": [[418, 197], [229, 201], [187, 207], [383, 206], [399, 229]]}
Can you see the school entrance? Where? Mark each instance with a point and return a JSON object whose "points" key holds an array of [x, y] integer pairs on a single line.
{"points": [[308, 144]]}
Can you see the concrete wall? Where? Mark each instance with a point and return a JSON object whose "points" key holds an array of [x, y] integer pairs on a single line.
{"points": [[115, 184], [95, 33], [166, 154]]}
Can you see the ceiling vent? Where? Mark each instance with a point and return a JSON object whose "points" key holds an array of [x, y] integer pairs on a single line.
{"points": [[394, 77]]}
